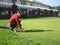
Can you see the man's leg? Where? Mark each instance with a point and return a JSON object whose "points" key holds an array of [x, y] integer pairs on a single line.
{"points": [[13, 26]]}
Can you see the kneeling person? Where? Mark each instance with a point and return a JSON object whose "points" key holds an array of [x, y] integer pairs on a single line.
{"points": [[14, 21]]}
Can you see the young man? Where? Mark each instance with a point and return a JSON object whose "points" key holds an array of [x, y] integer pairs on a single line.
{"points": [[15, 22]]}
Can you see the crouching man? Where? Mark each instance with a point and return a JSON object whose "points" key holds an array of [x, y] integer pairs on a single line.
{"points": [[14, 21]]}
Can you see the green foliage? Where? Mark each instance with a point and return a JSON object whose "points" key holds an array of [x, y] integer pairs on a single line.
{"points": [[58, 7]]}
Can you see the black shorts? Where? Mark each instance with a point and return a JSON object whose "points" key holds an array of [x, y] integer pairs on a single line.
{"points": [[14, 25]]}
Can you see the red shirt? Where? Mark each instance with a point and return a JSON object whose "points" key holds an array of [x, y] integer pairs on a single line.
{"points": [[13, 18]]}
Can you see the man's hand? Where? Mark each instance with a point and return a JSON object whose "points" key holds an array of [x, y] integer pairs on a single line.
{"points": [[22, 30]]}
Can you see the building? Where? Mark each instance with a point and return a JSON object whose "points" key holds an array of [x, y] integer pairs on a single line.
{"points": [[27, 5], [24, 3]]}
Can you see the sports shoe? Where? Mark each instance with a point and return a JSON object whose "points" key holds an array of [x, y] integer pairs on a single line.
{"points": [[21, 30], [16, 31]]}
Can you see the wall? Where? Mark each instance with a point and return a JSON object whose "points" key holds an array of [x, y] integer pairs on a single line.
{"points": [[18, 2], [28, 3]]}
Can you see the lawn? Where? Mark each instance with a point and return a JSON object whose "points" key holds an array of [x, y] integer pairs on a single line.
{"points": [[39, 31]]}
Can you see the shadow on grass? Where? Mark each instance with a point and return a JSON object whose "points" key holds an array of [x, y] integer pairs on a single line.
{"points": [[32, 30], [3, 27], [37, 30]]}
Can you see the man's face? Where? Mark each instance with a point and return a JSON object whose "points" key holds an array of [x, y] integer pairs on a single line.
{"points": [[18, 13]]}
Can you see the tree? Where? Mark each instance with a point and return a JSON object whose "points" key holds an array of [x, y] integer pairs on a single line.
{"points": [[58, 7], [14, 8]]}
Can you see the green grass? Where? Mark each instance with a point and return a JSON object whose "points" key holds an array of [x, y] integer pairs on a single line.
{"points": [[39, 31]]}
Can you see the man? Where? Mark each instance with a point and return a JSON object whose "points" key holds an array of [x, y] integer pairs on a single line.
{"points": [[14, 21]]}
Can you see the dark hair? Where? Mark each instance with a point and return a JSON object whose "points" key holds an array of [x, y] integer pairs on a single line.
{"points": [[18, 11]]}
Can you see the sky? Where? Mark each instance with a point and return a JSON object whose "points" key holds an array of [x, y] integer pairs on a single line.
{"points": [[50, 2]]}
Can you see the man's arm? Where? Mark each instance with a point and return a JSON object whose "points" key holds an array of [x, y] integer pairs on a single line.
{"points": [[18, 23]]}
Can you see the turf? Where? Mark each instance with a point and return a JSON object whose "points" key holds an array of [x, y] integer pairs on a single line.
{"points": [[39, 31]]}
